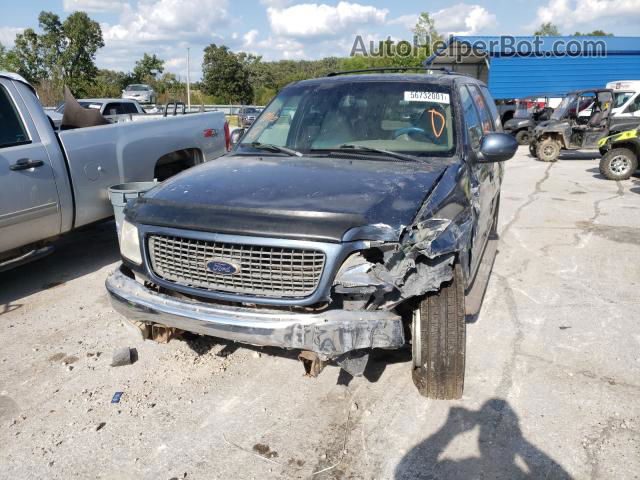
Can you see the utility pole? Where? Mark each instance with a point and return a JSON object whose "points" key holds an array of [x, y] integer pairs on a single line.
{"points": [[188, 81]]}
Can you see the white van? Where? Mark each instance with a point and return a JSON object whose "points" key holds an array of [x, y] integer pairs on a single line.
{"points": [[626, 98]]}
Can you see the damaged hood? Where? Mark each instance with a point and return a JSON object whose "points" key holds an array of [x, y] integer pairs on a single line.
{"points": [[293, 197]]}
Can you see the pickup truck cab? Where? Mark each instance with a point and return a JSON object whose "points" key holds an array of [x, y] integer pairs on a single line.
{"points": [[357, 212], [52, 182]]}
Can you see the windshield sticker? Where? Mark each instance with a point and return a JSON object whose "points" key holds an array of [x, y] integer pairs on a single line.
{"points": [[437, 97]]}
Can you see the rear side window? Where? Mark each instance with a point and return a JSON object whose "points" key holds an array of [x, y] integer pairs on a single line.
{"points": [[481, 104], [497, 123], [12, 131], [115, 109], [471, 118], [129, 108]]}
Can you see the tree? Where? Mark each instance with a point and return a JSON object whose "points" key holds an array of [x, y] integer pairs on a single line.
{"points": [[27, 56], [548, 30], [3, 57], [225, 76], [148, 67], [595, 33], [63, 53], [425, 30]]}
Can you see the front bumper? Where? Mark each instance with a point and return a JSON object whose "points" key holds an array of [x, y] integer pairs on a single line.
{"points": [[330, 333]]}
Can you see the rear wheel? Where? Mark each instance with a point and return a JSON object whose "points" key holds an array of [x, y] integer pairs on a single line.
{"points": [[548, 150], [618, 164], [438, 343], [523, 137]]}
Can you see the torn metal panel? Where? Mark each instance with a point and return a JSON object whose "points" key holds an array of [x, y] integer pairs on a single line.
{"points": [[423, 258]]}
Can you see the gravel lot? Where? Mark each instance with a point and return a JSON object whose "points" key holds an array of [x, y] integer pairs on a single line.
{"points": [[552, 382]]}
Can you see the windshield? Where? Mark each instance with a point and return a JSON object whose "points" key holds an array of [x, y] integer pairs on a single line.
{"points": [[414, 118], [137, 88], [620, 98], [250, 110]]}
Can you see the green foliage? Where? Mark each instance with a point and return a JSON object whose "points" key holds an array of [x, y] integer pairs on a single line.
{"points": [[63, 53], [148, 68], [425, 29], [224, 75], [548, 30], [595, 33]]}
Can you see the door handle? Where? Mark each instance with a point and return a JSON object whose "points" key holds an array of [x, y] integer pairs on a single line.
{"points": [[26, 164]]}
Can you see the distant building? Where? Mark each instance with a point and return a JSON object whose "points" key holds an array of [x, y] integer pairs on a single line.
{"points": [[558, 64]]}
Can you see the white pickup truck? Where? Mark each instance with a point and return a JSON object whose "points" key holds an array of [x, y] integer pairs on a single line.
{"points": [[54, 181]]}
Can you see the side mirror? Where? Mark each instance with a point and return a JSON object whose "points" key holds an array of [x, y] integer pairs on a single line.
{"points": [[497, 147], [236, 135]]}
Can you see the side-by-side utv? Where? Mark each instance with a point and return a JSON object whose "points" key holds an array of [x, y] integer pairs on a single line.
{"points": [[529, 112], [580, 122], [620, 154]]}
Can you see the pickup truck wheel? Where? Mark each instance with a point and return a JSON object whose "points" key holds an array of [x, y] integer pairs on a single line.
{"points": [[548, 150], [438, 341], [523, 137], [618, 164]]}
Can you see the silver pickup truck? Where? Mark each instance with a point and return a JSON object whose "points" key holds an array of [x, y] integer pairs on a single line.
{"points": [[52, 182]]}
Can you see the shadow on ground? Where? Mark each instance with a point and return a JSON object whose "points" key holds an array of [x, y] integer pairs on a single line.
{"points": [[79, 253], [504, 452]]}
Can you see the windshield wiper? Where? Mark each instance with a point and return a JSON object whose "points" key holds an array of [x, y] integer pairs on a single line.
{"points": [[363, 149], [274, 148]]}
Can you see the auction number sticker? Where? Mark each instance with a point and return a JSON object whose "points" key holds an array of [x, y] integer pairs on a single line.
{"points": [[437, 97]]}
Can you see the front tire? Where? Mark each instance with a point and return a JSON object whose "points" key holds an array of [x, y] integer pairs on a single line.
{"points": [[523, 137], [548, 150], [618, 164], [439, 341]]}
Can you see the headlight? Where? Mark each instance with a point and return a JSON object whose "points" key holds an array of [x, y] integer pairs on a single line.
{"points": [[130, 243]]}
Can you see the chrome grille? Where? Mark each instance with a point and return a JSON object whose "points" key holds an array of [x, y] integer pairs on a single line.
{"points": [[264, 271]]}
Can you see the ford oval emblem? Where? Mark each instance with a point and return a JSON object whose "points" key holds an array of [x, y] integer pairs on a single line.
{"points": [[222, 267]]}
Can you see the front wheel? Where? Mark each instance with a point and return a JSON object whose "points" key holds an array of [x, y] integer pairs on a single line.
{"points": [[618, 164], [548, 150], [438, 341], [523, 137]]}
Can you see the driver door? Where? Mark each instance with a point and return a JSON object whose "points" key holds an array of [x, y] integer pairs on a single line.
{"points": [[29, 204]]}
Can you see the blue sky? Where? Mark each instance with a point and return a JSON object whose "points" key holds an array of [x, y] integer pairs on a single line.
{"points": [[278, 29]]}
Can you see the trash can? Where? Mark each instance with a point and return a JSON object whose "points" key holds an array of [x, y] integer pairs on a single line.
{"points": [[121, 194]]}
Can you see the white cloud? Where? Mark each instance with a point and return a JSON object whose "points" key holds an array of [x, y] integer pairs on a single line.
{"points": [[308, 20], [249, 38], [463, 19], [156, 20], [8, 35], [93, 6], [407, 21], [571, 13]]}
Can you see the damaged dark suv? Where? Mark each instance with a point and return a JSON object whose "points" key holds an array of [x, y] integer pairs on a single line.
{"points": [[357, 212]]}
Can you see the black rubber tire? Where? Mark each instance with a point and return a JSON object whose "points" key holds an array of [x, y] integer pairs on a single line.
{"points": [[523, 137], [532, 150], [606, 163], [548, 150], [441, 336]]}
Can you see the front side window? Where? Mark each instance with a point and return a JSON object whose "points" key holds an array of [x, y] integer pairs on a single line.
{"points": [[620, 98], [12, 131], [634, 106], [411, 117], [483, 109], [471, 118]]}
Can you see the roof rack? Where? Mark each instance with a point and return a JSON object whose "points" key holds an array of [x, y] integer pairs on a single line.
{"points": [[391, 69]]}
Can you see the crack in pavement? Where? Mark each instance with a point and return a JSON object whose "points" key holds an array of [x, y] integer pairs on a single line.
{"points": [[532, 197]]}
